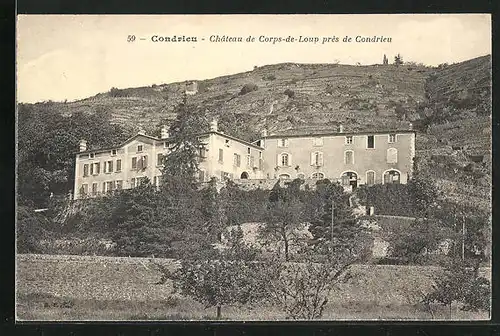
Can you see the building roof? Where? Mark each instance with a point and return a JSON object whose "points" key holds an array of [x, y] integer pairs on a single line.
{"points": [[155, 139], [304, 133]]}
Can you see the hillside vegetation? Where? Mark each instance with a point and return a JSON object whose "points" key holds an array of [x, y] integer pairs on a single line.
{"points": [[449, 106]]}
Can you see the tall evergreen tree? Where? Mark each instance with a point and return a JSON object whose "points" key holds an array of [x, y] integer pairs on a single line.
{"points": [[343, 233], [182, 161]]}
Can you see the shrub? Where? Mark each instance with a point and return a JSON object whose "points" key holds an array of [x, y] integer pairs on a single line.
{"points": [[114, 92], [248, 88], [269, 77], [289, 93]]}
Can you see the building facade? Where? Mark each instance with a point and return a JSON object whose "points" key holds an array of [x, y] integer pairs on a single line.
{"points": [[127, 166], [350, 158]]}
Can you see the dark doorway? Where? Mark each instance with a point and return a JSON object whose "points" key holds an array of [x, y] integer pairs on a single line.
{"points": [[350, 179], [244, 175]]}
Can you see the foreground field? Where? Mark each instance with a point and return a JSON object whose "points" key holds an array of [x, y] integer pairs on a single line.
{"points": [[104, 288]]}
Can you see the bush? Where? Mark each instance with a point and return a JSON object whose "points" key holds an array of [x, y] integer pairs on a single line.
{"points": [[269, 77], [248, 88], [114, 92], [289, 93]]}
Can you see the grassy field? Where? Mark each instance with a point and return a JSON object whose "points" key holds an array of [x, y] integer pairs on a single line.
{"points": [[105, 288]]}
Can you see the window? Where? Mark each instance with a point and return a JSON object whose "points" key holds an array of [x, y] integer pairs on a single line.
{"points": [[221, 155], [113, 152], [97, 168], [318, 142], [284, 160], [202, 152], [228, 143], [119, 185], [139, 148], [349, 179], [348, 140], [237, 160], [143, 162], [370, 141], [85, 170], [349, 157], [260, 155], [118, 165], [261, 164], [225, 175], [132, 182], [248, 150], [392, 138], [108, 166], [391, 176], [249, 161], [134, 163], [91, 155], [392, 155], [165, 145], [316, 159], [282, 142], [318, 176], [84, 190], [159, 159], [108, 186], [252, 162], [94, 188], [370, 177]]}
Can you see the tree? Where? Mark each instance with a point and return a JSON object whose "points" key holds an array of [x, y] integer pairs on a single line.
{"points": [[182, 160], [285, 212], [248, 88], [398, 60], [31, 228], [343, 230], [304, 289], [414, 244], [461, 283], [219, 279], [424, 194], [47, 142]]}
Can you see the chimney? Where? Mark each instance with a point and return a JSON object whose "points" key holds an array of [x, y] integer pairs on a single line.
{"points": [[83, 145], [341, 128], [164, 132], [213, 125], [263, 133]]}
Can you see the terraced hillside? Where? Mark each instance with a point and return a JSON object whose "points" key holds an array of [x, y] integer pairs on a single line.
{"points": [[324, 95], [449, 105]]}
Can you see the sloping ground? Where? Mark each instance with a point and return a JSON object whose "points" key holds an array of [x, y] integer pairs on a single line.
{"points": [[71, 287], [324, 95], [473, 76]]}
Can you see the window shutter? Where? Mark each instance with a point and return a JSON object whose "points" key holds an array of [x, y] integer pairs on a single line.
{"points": [[110, 166], [98, 166], [312, 159], [278, 157], [289, 159], [144, 161], [320, 159], [91, 169], [118, 165], [134, 163]]}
